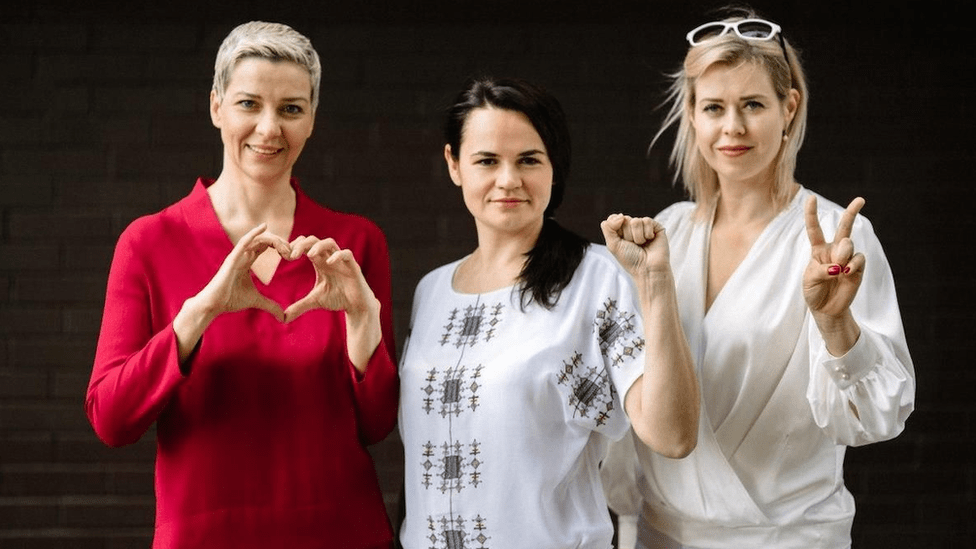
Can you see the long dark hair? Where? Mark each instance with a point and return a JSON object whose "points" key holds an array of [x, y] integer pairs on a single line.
{"points": [[551, 262]]}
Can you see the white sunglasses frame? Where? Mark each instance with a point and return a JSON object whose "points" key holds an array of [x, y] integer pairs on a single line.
{"points": [[774, 28]]}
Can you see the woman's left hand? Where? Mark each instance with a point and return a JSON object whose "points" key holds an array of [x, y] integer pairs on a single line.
{"points": [[833, 276], [639, 244], [339, 282]]}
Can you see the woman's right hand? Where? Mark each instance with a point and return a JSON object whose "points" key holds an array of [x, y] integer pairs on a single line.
{"points": [[639, 244], [231, 289]]}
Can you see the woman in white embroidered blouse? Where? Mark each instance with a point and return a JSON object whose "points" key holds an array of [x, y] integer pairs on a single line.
{"points": [[789, 306], [528, 356]]}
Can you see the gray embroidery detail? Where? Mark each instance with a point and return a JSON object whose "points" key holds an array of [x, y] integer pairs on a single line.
{"points": [[617, 333], [452, 533], [478, 324], [591, 392]]}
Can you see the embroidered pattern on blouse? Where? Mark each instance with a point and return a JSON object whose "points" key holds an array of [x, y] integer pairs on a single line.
{"points": [[451, 533], [592, 393], [453, 465], [453, 392], [473, 326], [619, 340]]}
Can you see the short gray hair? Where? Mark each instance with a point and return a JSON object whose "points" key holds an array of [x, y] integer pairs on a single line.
{"points": [[272, 41]]}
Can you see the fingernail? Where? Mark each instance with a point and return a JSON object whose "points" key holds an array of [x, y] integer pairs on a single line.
{"points": [[847, 270], [833, 270]]}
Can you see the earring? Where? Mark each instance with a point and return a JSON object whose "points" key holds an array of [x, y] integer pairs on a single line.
{"points": [[785, 137]]}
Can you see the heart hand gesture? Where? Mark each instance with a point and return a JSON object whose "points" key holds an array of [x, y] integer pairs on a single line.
{"points": [[232, 288], [339, 282]]}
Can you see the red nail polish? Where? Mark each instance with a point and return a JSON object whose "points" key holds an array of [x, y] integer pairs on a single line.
{"points": [[833, 270], [847, 270]]}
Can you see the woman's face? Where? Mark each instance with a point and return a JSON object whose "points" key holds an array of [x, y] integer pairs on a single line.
{"points": [[265, 117], [504, 172], [739, 122]]}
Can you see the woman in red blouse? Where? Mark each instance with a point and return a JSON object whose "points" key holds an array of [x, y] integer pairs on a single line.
{"points": [[253, 327]]}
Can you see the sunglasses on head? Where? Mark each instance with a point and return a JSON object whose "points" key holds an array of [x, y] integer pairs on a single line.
{"points": [[747, 29]]}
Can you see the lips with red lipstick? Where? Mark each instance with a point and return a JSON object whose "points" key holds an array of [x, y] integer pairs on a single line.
{"points": [[734, 150]]}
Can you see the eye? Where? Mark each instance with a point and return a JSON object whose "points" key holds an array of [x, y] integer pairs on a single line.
{"points": [[292, 110], [486, 161], [754, 105], [247, 103], [530, 160], [712, 108]]}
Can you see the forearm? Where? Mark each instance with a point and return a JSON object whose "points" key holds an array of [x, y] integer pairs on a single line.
{"points": [[363, 334], [669, 399], [190, 323]]}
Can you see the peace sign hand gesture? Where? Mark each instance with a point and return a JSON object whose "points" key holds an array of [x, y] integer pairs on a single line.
{"points": [[832, 277]]}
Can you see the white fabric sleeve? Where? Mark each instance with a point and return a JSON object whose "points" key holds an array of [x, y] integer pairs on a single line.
{"points": [[619, 473], [866, 395]]}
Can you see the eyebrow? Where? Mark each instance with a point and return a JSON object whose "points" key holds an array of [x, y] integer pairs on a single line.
{"points": [[531, 152], [283, 100], [743, 98]]}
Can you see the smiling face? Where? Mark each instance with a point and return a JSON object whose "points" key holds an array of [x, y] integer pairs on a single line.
{"points": [[265, 117], [504, 173], [739, 122]]}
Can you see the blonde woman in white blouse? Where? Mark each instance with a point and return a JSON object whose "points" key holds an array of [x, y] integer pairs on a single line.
{"points": [[789, 306]]}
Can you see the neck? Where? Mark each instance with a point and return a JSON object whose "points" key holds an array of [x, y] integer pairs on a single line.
{"points": [[496, 263], [242, 204], [747, 203]]}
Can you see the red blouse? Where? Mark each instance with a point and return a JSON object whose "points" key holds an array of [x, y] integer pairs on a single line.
{"points": [[263, 443]]}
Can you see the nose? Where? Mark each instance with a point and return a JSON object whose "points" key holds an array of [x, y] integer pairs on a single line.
{"points": [[508, 177], [734, 123], [268, 124]]}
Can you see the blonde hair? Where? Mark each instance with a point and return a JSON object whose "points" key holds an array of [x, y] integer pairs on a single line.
{"points": [[272, 41], [700, 180]]}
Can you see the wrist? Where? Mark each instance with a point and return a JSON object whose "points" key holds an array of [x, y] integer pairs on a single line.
{"points": [[651, 284], [199, 310], [839, 332], [360, 318]]}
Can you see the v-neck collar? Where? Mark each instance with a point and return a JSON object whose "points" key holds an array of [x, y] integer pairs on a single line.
{"points": [[201, 217], [749, 257]]}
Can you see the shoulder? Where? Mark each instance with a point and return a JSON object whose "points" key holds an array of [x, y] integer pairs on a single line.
{"points": [[438, 278], [598, 258], [676, 215], [149, 228], [599, 270], [348, 229]]}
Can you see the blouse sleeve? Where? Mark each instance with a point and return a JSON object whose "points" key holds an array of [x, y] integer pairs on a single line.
{"points": [[136, 370], [377, 390], [600, 374], [866, 395]]}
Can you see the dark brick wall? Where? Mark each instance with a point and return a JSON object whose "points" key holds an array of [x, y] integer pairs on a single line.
{"points": [[103, 118]]}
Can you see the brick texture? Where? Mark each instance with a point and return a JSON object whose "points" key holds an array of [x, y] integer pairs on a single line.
{"points": [[105, 119]]}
